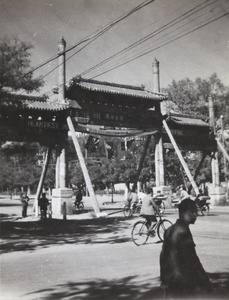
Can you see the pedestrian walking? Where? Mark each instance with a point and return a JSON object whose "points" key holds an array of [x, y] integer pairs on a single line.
{"points": [[24, 200], [182, 274], [43, 203], [79, 198]]}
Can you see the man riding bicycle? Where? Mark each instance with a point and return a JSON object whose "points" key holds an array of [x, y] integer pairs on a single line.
{"points": [[132, 198], [149, 209]]}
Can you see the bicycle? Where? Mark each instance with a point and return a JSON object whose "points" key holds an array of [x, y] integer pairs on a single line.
{"points": [[203, 204], [130, 210], [79, 206], [160, 203], [140, 232]]}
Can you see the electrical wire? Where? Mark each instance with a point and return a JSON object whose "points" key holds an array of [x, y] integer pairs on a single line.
{"points": [[166, 43], [149, 36], [173, 30], [93, 36]]}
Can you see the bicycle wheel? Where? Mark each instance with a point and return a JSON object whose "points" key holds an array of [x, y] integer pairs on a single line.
{"points": [[137, 210], [127, 211], [162, 227], [205, 210], [161, 208], [81, 207], [139, 233]]}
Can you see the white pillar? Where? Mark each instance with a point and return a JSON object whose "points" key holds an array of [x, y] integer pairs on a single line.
{"points": [[156, 76], [215, 162], [62, 71], [61, 168], [159, 154]]}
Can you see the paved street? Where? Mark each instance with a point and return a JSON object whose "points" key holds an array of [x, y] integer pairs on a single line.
{"points": [[96, 259]]}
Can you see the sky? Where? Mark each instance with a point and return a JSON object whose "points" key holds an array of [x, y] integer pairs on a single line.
{"points": [[200, 53]]}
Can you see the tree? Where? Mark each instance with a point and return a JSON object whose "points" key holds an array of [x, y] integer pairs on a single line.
{"points": [[191, 97], [21, 166], [15, 69]]}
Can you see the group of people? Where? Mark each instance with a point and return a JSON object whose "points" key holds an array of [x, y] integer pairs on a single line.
{"points": [[42, 203], [182, 274]]}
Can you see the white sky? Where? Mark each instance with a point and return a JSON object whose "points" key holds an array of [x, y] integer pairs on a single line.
{"points": [[198, 54]]}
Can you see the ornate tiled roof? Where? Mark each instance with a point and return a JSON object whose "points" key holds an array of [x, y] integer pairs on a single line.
{"points": [[119, 89], [186, 120], [41, 105]]}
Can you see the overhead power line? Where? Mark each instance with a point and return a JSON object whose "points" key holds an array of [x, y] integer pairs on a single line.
{"points": [[166, 43], [95, 35], [169, 25], [152, 34]]}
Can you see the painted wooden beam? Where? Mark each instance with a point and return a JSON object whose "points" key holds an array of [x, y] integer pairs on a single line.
{"points": [[181, 158], [42, 179], [83, 167]]}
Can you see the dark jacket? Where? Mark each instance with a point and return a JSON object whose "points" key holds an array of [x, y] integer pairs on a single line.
{"points": [[43, 203], [180, 266]]}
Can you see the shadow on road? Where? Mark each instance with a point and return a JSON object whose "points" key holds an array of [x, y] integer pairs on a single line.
{"points": [[126, 288], [29, 236], [220, 283]]}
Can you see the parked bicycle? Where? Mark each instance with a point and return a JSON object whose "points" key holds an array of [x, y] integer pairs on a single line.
{"points": [[140, 232], [202, 203], [130, 210], [78, 206]]}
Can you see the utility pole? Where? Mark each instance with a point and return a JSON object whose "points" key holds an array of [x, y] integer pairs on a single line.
{"points": [[215, 162], [61, 71], [62, 161], [61, 195], [159, 151], [224, 157], [216, 192]]}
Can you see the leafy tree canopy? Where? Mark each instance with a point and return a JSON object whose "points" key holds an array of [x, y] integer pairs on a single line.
{"points": [[15, 66], [191, 97]]}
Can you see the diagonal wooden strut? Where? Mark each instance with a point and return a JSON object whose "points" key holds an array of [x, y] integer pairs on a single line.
{"points": [[42, 179], [198, 169], [83, 167], [181, 158], [141, 161], [221, 147]]}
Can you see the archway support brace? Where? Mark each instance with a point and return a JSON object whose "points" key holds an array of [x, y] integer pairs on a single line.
{"points": [[84, 167], [181, 158], [42, 179]]}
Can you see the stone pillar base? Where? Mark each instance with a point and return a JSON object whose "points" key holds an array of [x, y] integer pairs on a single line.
{"points": [[59, 196], [217, 195]]}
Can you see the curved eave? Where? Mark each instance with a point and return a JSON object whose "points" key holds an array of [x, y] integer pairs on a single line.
{"points": [[187, 121], [122, 90], [48, 106]]}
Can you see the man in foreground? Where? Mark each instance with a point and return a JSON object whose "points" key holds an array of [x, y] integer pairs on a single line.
{"points": [[182, 274]]}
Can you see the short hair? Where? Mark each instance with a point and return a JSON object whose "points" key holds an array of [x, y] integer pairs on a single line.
{"points": [[149, 190], [186, 204]]}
